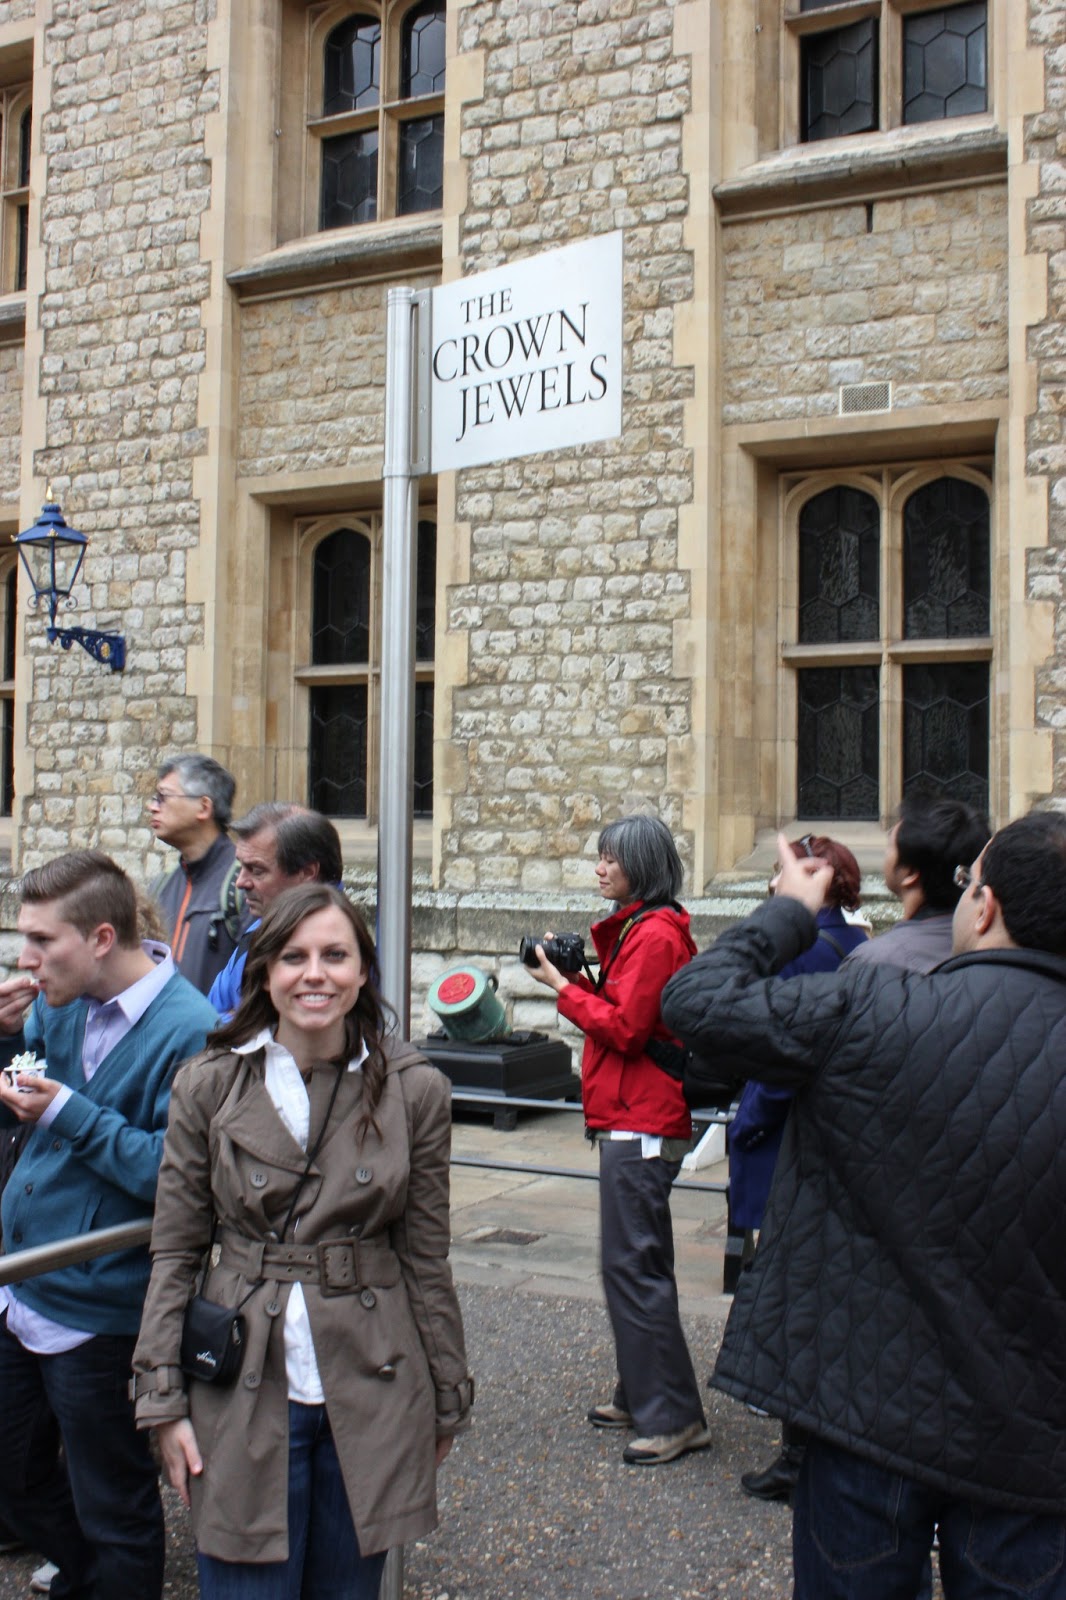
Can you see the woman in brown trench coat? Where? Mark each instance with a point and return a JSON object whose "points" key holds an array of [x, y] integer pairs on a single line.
{"points": [[323, 1452]]}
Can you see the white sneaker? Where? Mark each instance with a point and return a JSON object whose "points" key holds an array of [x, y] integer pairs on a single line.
{"points": [[663, 1447], [41, 1581]]}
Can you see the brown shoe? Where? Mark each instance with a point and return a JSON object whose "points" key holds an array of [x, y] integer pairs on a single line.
{"points": [[610, 1416], [666, 1446]]}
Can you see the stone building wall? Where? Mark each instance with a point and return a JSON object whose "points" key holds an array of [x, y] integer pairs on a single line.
{"points": [[312, 379], [123, 180], [910, 290], [1046, 426], [572, 697]]}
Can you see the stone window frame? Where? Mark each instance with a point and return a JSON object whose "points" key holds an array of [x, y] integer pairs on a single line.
{"points": [[16, 135], [891, 485], [308, 532], [390, 112], [795, 25]]}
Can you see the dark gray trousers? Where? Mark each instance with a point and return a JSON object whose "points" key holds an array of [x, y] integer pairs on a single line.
{"points": [[656, 1381]]}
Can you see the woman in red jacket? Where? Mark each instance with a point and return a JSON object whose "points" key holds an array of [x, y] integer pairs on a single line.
{"points": [[637, 1115]]}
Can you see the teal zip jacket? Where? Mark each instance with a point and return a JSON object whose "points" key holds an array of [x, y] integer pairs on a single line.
{"points": [[97, 1163]]}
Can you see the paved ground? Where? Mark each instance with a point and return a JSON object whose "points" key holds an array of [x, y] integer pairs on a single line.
{"points": [[535, 1505]]}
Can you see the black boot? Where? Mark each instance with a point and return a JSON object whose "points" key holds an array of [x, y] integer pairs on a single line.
{"points": [[777, 1481]]}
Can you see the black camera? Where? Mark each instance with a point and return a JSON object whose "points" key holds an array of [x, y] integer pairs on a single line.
{"points": [[566, 951]]}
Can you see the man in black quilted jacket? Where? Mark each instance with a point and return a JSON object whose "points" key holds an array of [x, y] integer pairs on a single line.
{"points": [[907, 1303]]}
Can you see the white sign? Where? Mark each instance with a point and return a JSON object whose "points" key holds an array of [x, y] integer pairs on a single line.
{"points": [[528, 357]]}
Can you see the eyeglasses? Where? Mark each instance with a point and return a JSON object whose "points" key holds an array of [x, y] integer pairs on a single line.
{"points": [[963, 877], [161, 796]]}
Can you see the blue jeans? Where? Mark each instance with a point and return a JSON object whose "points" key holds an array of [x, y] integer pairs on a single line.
{"points": [[861, 1532], [324, 1560], [95, 1511]]}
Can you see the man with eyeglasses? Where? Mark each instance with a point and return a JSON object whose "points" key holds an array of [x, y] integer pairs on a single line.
{"points": [[921, 854], [201, 904], [907, 1304]]}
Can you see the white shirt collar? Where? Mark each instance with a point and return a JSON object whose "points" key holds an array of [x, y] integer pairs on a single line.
{"points": [[265, 1040]]}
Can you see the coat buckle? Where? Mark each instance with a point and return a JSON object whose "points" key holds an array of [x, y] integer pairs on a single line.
{"points": [[338, 1266]]}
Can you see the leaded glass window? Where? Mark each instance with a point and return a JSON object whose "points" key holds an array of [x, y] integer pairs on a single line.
{"points": [[352, 66], [338, 754], [945, 730], [423, 751], [381, 127], [340, 625], [838, 742], [893, 641], [945, 63], [423, 51], [426, 591], [839, 551], [421, 186], [342, 676], [350, 179], [946, 571], [839, 81]]}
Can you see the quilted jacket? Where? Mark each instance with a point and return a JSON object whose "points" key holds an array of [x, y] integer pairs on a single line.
{"points": [[908, 1297]]}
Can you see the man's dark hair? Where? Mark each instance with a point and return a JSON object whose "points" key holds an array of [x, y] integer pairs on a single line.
{"points": [[91, 889], [302, 838], [1025, 868], [203, 775], [935, 837]]}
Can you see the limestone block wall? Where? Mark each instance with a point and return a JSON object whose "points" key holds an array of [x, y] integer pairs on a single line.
{"points": [[123, 178], [1046, 423], [312, 378], [910, 290], [571, 697], [11, 371]]}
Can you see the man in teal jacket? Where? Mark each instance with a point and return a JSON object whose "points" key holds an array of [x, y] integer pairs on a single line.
{"points": [[110, 1019]]}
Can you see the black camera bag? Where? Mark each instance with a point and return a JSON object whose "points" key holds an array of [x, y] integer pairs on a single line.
{"points": [[212, 1341]]}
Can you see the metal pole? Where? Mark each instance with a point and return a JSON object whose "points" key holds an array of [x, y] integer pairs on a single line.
{"points": [[395, 817]]}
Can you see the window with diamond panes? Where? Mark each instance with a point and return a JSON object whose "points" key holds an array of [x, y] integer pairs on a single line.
{"points": [[343, 732], [934, 713], [382, 122], [903, 62]]}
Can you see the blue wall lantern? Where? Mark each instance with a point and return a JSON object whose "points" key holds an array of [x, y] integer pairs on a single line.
{"points": [[52, 554]]}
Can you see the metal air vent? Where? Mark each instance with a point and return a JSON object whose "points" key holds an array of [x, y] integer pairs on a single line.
{"points": [[856, 397]]}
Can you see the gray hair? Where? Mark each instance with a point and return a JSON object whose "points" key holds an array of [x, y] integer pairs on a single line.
{"points": [[203, 775], [302, 838], [645, 850]]}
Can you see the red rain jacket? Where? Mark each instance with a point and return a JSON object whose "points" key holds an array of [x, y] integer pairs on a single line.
{"points": [[621, 1087]]}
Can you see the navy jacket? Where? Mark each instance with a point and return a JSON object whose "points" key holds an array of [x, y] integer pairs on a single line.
{"points": [[908, 1297]]}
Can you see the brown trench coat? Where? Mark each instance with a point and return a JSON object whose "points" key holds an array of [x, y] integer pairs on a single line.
{"points": [[390, 1355]]}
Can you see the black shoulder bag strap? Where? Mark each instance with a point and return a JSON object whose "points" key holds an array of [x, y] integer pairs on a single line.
{"points": [[308, 1164], [834, 944]]}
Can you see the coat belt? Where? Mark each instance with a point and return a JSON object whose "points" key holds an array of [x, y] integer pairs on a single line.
{"points": [[337, 1266]]}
